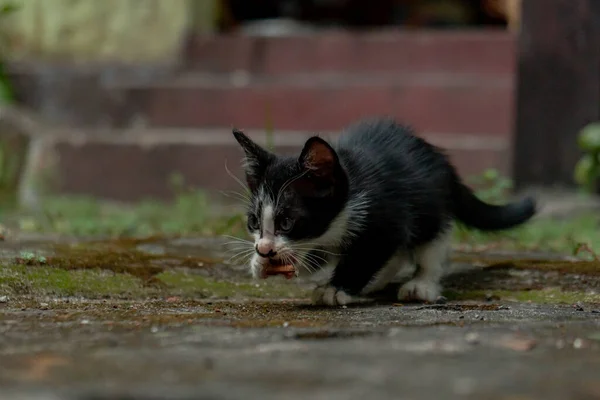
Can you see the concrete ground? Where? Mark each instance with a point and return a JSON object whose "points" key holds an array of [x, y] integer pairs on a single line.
{"points": [[510, 330]]}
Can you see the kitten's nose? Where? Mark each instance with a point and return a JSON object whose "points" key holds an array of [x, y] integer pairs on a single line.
{"points": [[265, 248]]}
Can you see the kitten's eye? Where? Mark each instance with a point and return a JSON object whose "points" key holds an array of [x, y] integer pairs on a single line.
{"points": [[286, 224], [252, 222]]}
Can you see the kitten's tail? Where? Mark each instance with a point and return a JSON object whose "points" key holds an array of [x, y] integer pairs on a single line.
{"points": [[487, 217]]}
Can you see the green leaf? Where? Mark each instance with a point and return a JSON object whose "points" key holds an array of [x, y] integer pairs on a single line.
{"points": [[491, 175], [6, 93], [587, 170], [589, 138], [8, 8]]}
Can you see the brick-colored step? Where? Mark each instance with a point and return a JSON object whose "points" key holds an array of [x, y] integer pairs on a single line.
{"points": [[131, 165], [435, 104], [485, 52]]}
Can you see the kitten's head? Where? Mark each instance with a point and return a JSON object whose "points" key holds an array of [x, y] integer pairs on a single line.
{"points": [[293, 200]]}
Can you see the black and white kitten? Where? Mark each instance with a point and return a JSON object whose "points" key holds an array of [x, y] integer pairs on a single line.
{"points": [[377, 200]]}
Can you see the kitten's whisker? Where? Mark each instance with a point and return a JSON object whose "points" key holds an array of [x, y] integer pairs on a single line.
{"points": [[311, 265], [235, 195], [315, 250], [316, 259], [240, 255], [329, 253], [288, 183], [238, 239], [307, 267], [236, 242], [239, 245], [302, 264], [235, 178], [287, 259], [290, 258], [242, 251], [235, 238], [314, 263], [239, 261], [245, 246], [312, 254], [238, 251], [233, 249], [228, 244]]}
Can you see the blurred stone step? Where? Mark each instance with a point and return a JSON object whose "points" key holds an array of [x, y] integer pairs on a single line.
{"points": [[432, 103], [391, 51], [98, 96], [137, 164]]}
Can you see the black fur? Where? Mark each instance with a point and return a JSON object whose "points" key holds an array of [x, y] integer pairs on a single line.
{"points": [[410, 195]]}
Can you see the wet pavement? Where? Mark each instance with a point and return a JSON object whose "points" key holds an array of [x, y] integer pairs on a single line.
{"points": [[516, 326]]}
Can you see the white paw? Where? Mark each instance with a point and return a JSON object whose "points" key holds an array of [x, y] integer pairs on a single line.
{"points": [[419, 290], [330, 296]]}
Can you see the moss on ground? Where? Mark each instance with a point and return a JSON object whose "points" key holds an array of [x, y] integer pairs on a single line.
{"points": [[101, 283], [117, 269], [27, 280], [17, 280]]}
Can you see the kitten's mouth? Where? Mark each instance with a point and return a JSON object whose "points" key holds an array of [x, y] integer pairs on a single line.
{"points": [[280, 267]]}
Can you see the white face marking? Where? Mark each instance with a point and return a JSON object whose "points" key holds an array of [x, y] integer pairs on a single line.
{"points": [[266, 242], [268, 221], [265, 239]]}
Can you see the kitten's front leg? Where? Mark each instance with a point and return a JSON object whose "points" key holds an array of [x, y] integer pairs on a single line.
{"points": [[425, 286], [353, 273]]}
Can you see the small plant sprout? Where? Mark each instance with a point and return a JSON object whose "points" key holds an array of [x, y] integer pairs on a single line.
{"points": [[28, 258], [587, 170]]}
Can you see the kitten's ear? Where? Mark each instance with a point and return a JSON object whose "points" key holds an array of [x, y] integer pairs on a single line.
{"points": [[319, 157], [254, 153], [256, 158], [325, 175]]}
